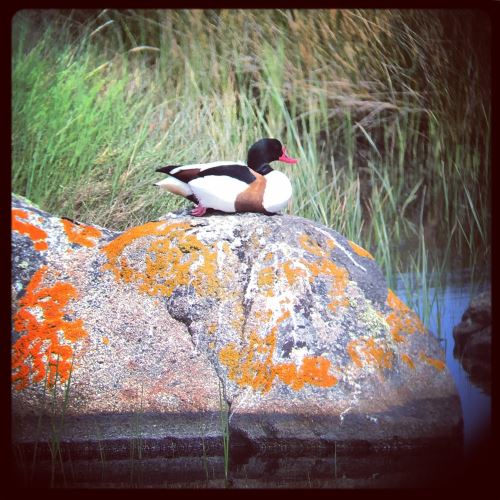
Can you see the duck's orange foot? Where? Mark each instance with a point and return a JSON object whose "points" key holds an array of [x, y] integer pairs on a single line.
{"points": [[199, 210]]}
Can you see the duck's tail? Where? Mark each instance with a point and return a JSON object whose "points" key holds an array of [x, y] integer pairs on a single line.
{"points": [[175, 186]]}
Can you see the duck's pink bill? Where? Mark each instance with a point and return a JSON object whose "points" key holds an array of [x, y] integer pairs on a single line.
{"points": [[286, 158]]}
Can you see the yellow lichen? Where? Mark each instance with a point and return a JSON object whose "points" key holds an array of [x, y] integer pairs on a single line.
{"points": [[310, 245], [266, 279], [360, 251], [173, 258], [330, 243], [115, 248], [339, 276], [265, 315], [268, 257], [408, 360], [46, 334], [436, 363], [325, 267], [237, 316]]}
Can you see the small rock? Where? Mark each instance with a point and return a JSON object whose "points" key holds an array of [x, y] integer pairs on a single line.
{"points": [[473, 341]]}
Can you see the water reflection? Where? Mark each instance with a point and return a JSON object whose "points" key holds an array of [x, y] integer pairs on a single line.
{"points": [[448, 306]]}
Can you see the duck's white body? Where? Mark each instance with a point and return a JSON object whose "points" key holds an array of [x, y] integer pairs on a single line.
{"points": [[216, 192], [278, 191], [231, 186], [219, 193]]}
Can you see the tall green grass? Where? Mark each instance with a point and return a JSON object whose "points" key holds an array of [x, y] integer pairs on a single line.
{"points": [[387, 110], [54, 404], [224, 427]]}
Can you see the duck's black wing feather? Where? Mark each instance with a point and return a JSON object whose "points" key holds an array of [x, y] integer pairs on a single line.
{"points": [[167, 169], [183, 173], [240, 172], [186, 173]]}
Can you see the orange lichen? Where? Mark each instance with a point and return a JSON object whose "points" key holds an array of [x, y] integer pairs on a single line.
{"points": [[360, 251], [340, 302], [268, 257], [285, 314], [379, 355], [408, 360], [253, 365], [242, 366], [266, 277], [402, 319], [237, 316], [265, 315], [353, 353], [41, 318], [37, 235], [325, 267], [105, 340], [396, 336], [330, 243], [18, 212], [314, 370], [339, 277], [436, 363], [81, 233], [266, 280], [307, 243], [292, 273], [175, 258], [115, 248], [370, 351]]}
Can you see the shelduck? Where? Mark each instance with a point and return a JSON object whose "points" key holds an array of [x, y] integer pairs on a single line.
{"points": [[232, 186]]}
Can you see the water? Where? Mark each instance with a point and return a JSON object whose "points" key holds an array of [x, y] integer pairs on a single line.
{"points": [[446, 311]]}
